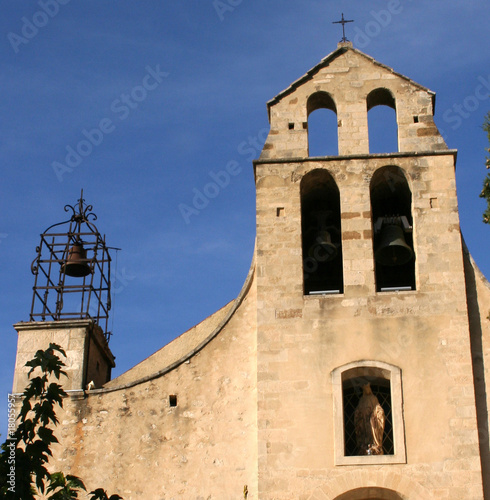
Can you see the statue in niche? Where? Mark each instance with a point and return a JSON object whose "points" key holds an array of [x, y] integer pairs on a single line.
{"points": [[369, 422]]}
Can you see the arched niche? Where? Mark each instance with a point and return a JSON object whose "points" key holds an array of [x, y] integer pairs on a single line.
{"points": [[379, 380], [321, 234], [391, 211], [322, 125], [382, 122], [385, 381]]}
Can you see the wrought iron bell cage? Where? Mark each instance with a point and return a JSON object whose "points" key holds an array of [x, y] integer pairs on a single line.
{"points": [[72, 271]]}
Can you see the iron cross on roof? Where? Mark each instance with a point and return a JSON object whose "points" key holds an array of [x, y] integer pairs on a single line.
{"points": [[343, 23]]}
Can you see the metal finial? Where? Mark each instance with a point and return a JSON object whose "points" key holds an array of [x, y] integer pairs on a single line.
{"points": [[81, 211], [343, 22]]}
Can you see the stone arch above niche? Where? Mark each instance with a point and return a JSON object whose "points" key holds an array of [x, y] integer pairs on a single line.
{"points": [[371, 493], [389, 485]]}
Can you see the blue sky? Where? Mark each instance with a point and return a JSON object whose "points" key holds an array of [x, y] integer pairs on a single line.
{"points": [[207, 69]]}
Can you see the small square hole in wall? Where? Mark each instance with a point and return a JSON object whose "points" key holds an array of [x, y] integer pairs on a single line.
{"points": [[415, 119], [280, 212], [434, 203], [291, 126], [172, 400], [305, 125]]}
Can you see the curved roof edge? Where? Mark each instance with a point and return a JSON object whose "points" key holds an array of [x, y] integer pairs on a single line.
{"points": [[194, 350], [342, 49]]}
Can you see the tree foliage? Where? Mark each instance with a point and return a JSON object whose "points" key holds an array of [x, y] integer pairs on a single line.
{"points": [[486, 183], [25, 454]]}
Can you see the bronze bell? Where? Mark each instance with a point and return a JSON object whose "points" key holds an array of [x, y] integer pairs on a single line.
{"points": [[323, 250], [392, 249], [76, 264]]}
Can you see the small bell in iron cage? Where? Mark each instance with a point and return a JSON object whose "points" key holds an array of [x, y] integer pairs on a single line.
{"points": [[76, 264]]}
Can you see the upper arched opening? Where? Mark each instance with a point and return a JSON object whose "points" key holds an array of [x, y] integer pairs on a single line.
{"points": [[382, 121], [322, 125], [320, 100], [380, 97]]}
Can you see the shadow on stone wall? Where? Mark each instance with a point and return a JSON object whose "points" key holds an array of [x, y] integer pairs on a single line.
{"points": [[475, 319]]}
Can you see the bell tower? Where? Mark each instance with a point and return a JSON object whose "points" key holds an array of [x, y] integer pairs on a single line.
{"points": [[360, 283], [71, 301]]}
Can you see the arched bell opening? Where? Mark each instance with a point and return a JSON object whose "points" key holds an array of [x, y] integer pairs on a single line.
{"points": [[321, 234], [391, 207], [382, 121], [322, 125]]}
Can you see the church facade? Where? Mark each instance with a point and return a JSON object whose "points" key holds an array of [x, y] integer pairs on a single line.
{"points": [[355, 362]]}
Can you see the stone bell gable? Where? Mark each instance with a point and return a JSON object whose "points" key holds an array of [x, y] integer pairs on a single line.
{"points": [[349, 83], [354, 363]]}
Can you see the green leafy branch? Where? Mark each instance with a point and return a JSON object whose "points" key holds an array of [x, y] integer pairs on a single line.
{"points": [[29, 449], [486, 183]]}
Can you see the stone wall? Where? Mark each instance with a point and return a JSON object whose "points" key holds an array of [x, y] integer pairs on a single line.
{"points": [[478, 293], [424, 332], [133, 441], [88, 357]]}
